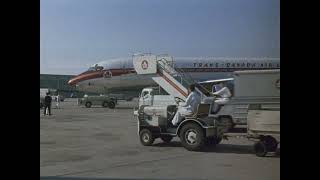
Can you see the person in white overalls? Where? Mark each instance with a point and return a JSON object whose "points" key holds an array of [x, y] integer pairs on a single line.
{"points": [[189, 107], [223, 96], [58, 101]]}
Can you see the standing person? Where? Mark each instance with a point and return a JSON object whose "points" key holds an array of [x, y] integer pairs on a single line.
{"points": [[57, 101], [47, 104], [190, 106]]}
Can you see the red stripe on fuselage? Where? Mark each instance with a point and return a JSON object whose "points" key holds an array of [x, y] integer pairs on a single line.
{"points": [[118, 72], [98, 74]]}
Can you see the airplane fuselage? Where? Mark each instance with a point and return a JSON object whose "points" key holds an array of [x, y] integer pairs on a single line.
{"points": [[119, 74]]}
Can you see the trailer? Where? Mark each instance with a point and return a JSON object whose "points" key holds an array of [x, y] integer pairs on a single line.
{"points": [[264, 126]]}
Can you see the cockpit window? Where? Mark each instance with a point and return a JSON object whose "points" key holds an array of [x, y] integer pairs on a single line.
{"points": [[91, 69], [95, 68]]}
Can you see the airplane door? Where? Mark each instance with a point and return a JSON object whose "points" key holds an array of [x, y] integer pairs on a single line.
{"points": [[107, 74]]}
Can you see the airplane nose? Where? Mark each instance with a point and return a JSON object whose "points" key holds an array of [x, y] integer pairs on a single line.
{"points": [[71, 82], [85, 76]]}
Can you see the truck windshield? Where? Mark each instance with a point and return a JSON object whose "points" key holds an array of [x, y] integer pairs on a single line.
{"points": [[91, 69], [144, 93]]}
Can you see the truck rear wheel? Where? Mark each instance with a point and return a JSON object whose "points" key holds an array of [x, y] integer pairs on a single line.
{"points": [[111, 105], [88, 104], [192, 137], [146, 137]]}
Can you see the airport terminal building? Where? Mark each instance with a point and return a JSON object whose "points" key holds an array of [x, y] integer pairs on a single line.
{"points": [[58, 82]]}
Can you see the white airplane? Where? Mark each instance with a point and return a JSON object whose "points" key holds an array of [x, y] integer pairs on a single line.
{"points": [[119, 74]]}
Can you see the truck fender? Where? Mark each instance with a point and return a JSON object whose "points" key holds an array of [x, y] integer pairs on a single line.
{"points": [[200, 123]]}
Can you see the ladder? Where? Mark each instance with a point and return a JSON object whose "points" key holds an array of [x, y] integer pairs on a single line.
{"points": [[173, 80]]}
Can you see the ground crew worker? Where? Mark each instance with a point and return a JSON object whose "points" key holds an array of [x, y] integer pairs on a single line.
{"points": [[190, 106], [57, 101], [47, 104]]}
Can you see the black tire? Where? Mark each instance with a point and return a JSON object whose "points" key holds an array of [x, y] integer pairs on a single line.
{"points": [[192, 137], [166, 139], [146, 137], [88, 104], [105, 104], [111, 105], [271, 143], [260, 149], [213, 141]]}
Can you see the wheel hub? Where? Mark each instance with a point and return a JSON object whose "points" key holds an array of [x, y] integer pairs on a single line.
{"points": [[145, 137], [191, 136]]}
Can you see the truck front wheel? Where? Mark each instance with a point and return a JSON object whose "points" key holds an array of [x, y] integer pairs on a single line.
{"points": [[192, 137], [146, 137]]}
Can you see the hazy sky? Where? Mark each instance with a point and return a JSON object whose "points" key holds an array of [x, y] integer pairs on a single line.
{"points": [[77, 33]]}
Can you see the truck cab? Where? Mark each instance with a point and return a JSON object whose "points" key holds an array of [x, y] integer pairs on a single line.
{"points": [[155, 96]]}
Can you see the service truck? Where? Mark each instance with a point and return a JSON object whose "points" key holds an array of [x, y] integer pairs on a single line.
{"points": [[102, 100], [155, 112]]}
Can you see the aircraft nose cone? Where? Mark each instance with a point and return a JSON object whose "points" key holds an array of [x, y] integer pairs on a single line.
{"points": [[71, 82]]}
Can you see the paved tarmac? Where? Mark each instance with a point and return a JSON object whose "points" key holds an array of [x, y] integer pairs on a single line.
{"points": [[100, 143]]}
